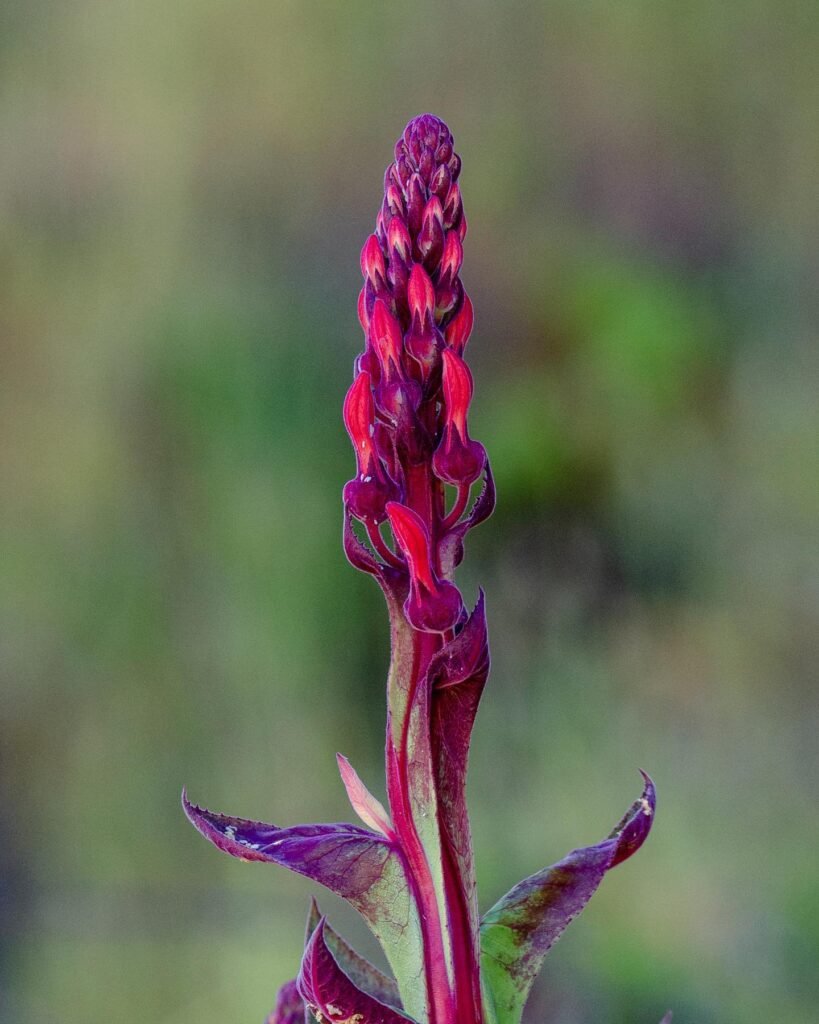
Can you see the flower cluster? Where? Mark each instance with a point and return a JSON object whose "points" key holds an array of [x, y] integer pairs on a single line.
{"points": [[409, 871], [406, 410]]}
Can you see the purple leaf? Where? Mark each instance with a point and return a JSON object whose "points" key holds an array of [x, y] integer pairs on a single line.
{"points": [[360, 971], [520, 929], [347, 859], [669, 1017], [332, 995], [289, 1008], [361, 866]]}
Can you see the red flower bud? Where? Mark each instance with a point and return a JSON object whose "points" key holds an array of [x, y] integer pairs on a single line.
{"points": [[433, 605], [416, 199], [441, 180], [385, 337], [453, 256], [372, 264], [460, 327], [398, 239], [431, 235], [453, 209], [367, 494], [363, 315], [457, 459], [420, 294]]}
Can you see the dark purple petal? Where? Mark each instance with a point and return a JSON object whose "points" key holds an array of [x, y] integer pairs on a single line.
{"points": [[519, 930], [328, 991], [289, 1008], [360, 971]]}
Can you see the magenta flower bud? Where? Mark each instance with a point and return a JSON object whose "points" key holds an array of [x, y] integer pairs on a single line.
{"points": [[398, 239], [363, 312], [441, 180], [457, 459], [460, 327], [423, 341], [367, 494], [433, 605], [416, 198], [453, 208], [449, 291], [387, 342], [431, 235], [372, 265]]}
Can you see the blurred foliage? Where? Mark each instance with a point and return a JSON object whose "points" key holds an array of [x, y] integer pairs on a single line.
{"points": [[184, 189]]}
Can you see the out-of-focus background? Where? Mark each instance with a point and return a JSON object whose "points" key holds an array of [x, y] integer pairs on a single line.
{"points": [[184, 190]]}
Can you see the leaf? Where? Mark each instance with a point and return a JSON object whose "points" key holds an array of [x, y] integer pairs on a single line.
{"points": [[360, 971], [365, 805], [359, 865], [669, 1017], [519, 930], [289, 1008], [332, 995]]}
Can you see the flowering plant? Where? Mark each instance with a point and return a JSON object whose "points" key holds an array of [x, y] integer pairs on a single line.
{"points": [[409, 871]]}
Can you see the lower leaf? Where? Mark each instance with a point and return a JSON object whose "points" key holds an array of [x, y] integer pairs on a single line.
{"points": [[332, 995], [517, 933]]}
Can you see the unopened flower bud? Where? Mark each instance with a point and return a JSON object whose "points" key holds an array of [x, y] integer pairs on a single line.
{"points": [[398, 239], [449, 290], [372, 265], [368, 493], [453, 208], [416, 199], [433, 605], [423, 341], [431, 235], [457, 459], [385, 337], [460, 327]]}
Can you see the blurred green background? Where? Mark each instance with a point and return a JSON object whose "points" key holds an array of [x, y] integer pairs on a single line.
{"points": [[184, 190]]}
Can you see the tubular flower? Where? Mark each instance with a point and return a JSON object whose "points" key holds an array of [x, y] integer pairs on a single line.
{"points": [[410, 870]]}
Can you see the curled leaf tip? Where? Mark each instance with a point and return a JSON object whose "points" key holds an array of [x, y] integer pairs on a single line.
{"points": [[633, 828]]}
